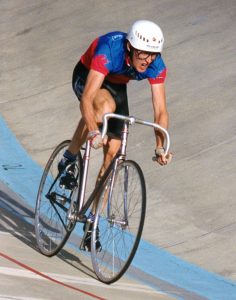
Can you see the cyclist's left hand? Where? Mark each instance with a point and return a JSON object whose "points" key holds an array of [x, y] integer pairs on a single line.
{"points": [[161, 158], [164, 159]]}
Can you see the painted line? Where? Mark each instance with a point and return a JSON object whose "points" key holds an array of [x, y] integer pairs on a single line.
{"points": [[78, 280], [22, 175], [48, 277], [6, 232], [7, 297]]}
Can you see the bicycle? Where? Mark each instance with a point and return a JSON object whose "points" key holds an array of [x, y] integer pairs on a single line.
{"points": [[120, 209]]}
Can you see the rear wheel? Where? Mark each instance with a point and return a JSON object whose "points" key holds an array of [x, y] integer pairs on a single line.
{"points": [[56, 205], [119, 221]]}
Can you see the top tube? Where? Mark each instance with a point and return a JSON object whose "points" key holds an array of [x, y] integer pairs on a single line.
{"points": [[133, 120]]}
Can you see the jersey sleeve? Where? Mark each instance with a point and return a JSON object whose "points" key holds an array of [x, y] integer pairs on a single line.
{"points": [[157, 71], [99, 63], [97, 57], [160, 78], [101, 60]]}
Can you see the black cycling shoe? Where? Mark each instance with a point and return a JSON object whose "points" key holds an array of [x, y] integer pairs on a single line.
{"points": [[88, 237], [68, 180]]}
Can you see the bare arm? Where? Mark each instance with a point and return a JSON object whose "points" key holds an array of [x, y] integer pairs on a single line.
{"points": [[161, 116], [92, 86]]}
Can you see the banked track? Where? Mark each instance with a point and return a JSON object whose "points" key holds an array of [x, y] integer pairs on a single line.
{"points": [[192, 200]]}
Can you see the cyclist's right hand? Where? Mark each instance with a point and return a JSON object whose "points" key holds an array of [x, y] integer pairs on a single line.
{"points": [[95, 138]]}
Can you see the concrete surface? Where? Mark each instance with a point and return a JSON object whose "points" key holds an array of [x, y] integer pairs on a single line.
{"points": [[191, 203], [27, 274]]}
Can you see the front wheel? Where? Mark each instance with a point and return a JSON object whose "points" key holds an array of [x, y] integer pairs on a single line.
{"points": [[118, 221], [56, 204]]}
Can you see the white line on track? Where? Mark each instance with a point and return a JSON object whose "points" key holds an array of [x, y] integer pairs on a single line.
{"points": [[7, 297], [15, 233], [5, 232], [10, 232], [76, 280]]}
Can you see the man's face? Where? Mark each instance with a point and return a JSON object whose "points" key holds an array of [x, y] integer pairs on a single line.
{"points": [[142, 59]]}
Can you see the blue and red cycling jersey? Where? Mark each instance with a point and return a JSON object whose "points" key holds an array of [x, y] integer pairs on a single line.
{"points": [[108, 55]]}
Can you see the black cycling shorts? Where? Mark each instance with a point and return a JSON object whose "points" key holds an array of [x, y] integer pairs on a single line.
{"points": [[118, 92]]}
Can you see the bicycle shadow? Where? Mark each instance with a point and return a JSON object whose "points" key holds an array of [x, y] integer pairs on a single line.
{"points": [[17, 219], [71, 259]]}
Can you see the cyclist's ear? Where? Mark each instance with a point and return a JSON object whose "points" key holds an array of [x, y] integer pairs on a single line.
{"points": [[130, 50], [128, 45]]}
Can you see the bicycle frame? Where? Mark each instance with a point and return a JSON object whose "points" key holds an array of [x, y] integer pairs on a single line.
{"points": [[120, 156], [58, 209]]}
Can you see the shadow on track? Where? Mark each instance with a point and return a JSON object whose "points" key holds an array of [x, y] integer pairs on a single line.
{"points": [[17, 219]]}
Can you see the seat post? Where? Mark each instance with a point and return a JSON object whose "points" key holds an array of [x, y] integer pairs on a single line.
{"points": [[124, 137]]}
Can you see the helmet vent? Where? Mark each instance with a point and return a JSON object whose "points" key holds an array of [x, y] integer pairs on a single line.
{"points": [[141, 37]]}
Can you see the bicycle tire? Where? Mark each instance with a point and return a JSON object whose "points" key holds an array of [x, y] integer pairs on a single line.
{"points": [[52, 225], [119, 240]]}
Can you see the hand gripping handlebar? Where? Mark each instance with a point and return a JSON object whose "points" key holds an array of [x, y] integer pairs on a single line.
{"points": [[133, 120]]}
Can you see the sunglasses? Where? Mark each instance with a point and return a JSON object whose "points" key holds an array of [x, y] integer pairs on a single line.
{"points": [[143, 55]]}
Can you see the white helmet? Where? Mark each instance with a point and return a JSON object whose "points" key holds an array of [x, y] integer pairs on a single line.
{"points": [[146, 35]]}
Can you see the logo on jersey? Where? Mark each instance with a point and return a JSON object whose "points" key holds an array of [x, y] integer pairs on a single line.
{"points": [[117, 37]]}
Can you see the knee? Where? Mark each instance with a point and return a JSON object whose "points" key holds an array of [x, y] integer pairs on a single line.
{"points": [[103, 103], [109, 106], [111, 148]]}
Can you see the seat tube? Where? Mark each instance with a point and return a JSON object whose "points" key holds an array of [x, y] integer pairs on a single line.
{"points": [[124, 138], [126, 181], [85, 174]]}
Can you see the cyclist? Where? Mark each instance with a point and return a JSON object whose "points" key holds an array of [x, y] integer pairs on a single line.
{"points": [[99, 81]]}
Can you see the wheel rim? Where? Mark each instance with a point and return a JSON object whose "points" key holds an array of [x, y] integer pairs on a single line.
{"points": [[52, 224]]}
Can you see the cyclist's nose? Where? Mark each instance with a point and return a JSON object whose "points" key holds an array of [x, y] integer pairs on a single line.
{"points": [[149, 59]]}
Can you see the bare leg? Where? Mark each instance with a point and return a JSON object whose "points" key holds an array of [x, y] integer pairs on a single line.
{"points": [[109, 150], [79, 137], [103, 103]]}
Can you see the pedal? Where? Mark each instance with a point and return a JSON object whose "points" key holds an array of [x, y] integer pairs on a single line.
{"points": [[57, 198]]}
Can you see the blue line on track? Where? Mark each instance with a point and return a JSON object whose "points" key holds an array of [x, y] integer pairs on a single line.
{"points": [[22, 175]]}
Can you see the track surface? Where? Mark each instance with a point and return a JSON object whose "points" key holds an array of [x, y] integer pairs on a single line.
{"points": [[191, 203]]}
